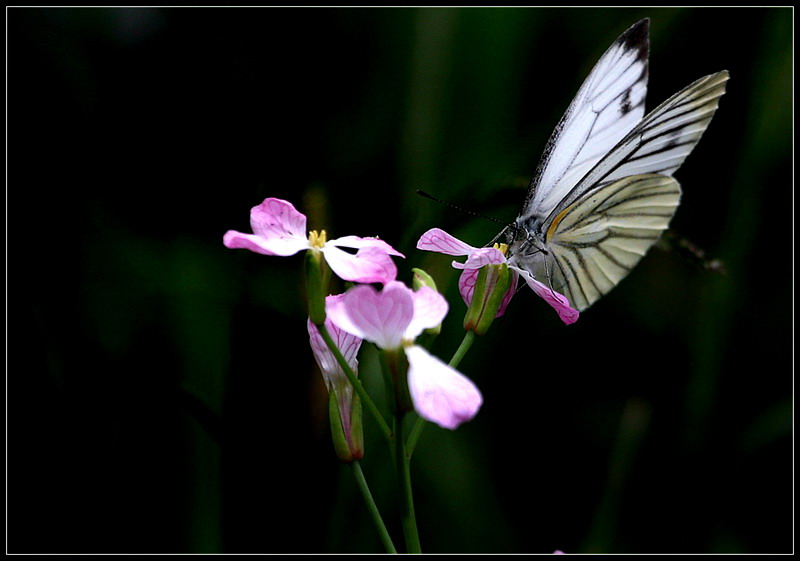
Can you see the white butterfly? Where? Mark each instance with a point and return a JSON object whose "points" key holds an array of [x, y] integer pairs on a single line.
{"points": [[603, 191]]}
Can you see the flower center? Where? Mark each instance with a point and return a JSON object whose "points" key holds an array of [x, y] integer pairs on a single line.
{"points": [[317, 240], [503, 248]]}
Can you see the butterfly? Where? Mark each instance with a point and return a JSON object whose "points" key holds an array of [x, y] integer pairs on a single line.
{"points": [[603, 191]]}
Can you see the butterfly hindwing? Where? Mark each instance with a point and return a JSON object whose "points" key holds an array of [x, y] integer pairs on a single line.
{"points": [[597, 240]]}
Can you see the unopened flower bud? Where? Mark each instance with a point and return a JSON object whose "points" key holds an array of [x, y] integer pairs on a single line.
{"points": [[421, 278], [491, 286], [346, 426]]}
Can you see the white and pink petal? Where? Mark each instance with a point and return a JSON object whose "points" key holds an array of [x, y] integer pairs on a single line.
{"points": [[558, 301], [440, 393], [380, 317], [276, 218], [440, 241], [430, 308], [368, 264], [480, 258], [278, 229], [356, 242], [267, 246]]}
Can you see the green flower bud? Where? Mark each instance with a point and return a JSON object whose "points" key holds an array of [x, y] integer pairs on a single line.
{"points": [[490, 288], [421, 278], [346, 427]]}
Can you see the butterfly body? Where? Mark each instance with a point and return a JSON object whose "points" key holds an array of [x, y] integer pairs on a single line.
{"points": [[603, 191]]}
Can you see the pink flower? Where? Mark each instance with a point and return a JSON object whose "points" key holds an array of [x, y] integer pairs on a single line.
{"points": [[440, 241], [392, 318], [279, 229]]}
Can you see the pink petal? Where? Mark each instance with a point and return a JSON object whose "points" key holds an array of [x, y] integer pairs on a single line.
{"points": [[279, 230], [276, 218], [369, 264], [357, 243], [377, 316], [482, 257], [336, 312], [440, 241], [558, 301], [440, 393], [238, 240], [512, 290], [466, 284], [430, 308]]}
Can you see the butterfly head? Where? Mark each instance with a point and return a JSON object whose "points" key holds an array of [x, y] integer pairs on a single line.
{"points": [[526, 248]]}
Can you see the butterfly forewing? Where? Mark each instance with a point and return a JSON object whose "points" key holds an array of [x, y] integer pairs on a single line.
{"points": [[597, 240], [607, 106]]}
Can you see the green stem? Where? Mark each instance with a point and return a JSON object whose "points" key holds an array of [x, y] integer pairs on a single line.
{"points": [[466, 343], [351, 376], [407, 500], [416, 431], [372, 507]]}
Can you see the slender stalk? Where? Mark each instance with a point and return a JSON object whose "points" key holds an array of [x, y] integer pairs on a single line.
{"points": [[372, 507], [407, 516], [466, 343], [416, 432], [351, 376]]}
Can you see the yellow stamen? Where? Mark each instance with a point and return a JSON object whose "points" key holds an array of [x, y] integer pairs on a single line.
{"points": [[502, 247], [317, 240]]}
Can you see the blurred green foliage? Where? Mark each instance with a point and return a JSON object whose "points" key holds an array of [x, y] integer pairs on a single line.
{"points": [[161, 393]]}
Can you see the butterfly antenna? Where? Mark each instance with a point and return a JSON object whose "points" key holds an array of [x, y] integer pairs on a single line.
{"points": [[458, 208]]}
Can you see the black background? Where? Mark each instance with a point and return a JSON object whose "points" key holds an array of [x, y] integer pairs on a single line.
{"points": [[161, 393]]}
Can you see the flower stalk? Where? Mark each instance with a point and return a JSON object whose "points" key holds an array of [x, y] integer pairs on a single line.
{"points": [[407, 515], [361, 482], [317, 277]]}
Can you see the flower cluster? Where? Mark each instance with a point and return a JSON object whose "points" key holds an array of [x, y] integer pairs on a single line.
{"points": [[391, 318], [383, 311]]}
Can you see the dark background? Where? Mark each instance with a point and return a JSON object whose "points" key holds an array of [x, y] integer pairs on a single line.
{"points": [[161, 393]]}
